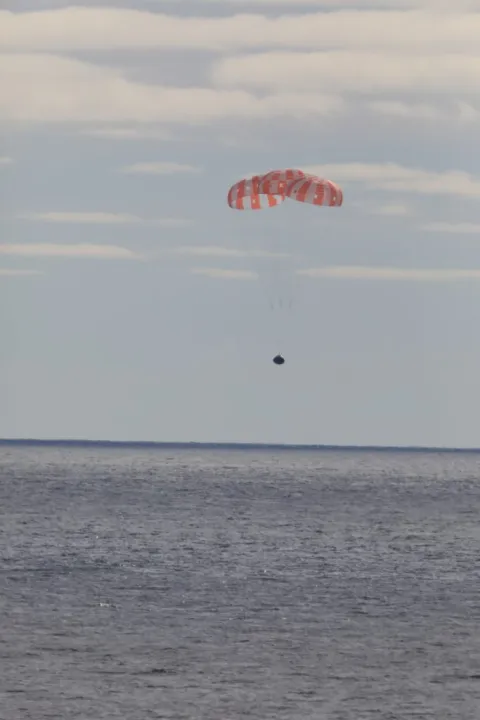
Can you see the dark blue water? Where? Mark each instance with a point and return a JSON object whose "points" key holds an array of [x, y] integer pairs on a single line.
{"points": [[228, 584]]}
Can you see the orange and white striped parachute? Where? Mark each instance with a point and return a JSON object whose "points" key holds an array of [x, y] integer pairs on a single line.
{"points": [[260, 191], [273, 188]]}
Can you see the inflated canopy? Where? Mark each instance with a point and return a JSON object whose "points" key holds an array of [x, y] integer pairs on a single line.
{"points": [[273, 188]]}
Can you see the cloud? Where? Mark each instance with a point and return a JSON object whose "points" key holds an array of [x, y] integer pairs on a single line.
{"points": [[103, 218], [102, 28], [386, 273], [127, 133], [111, 252], [6, 161], [448, 110], [9, 272], [225, 274], [160, 168], [214, 251], [390, 177], [88, 218], [345, 52], [391, 210], [327, 4], [45, 88], [173, 222], [431, 5], [363, 72], [454, 228], [422, 111]]}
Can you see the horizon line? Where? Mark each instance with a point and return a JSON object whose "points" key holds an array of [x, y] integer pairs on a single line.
{"points": [[234, 445]]}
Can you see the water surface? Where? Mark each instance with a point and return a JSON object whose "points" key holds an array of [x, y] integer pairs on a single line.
{"points": [[220, 584]]}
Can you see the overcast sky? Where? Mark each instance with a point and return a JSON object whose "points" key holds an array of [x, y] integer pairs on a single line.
{"points": [[135, 304]]}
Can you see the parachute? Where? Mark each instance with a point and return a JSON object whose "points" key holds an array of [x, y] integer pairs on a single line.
{"points": [[261, 191], [274, 188]]}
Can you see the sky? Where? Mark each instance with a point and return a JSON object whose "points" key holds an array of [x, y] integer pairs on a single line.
{"points": [[136, 305]]}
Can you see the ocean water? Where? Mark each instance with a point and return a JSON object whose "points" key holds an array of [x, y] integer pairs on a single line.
{"points": [[220, 584]]}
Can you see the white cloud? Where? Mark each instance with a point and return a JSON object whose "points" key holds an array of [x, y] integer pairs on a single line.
{"points": [[454, 228], [10, 272], [421, 111], [397, 178], [432, 5], [354, 72], [173, 222], [160, 168], [88, 218], [354, 52], [391, 210], [214, 251], [224, 274], [102, 28], [327, 4], [6, 161], [46, 88], [127, 133], [391, 273], [111, 252], [448, 110], [103, 218]]}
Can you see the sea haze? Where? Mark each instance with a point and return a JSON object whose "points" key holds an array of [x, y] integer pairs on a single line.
{"points": [[216, 583]]}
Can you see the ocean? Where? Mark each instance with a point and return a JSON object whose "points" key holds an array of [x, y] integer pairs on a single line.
{"points": [[215, 583]]}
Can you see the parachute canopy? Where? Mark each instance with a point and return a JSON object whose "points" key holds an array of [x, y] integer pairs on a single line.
{"points": [[273, 188], [247, 195], [278, 181], [316, 191]]}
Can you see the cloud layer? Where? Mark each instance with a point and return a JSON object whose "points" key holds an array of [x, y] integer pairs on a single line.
{"points": [[84, 218], [109, 252], [215, 251], [392, 177], [161, 168], [10, 272], [296, 65], [63, 90], [81, 28], [453, 228], [391, 273], [221, 273], [343, 71], [103, 218]]}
